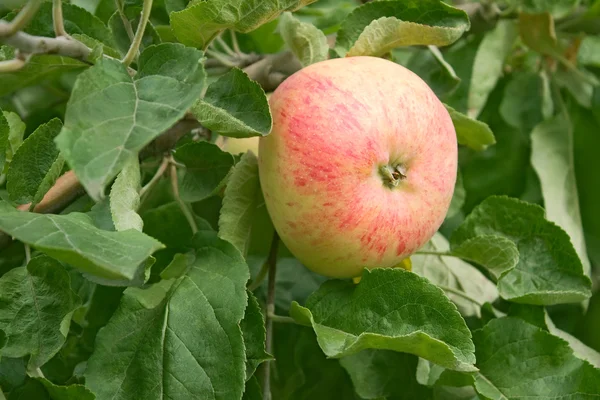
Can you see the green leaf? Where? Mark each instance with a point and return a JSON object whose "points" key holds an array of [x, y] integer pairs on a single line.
{"points": [[489, 63], [474, 134], [125, 198], [548, 270], [240, 203], [496, 253], [518, 360], [4, 133], [38, 69], [523, 102], [36, 303], [580, 83], [302, 371], [431, 66], [71, 392], [206, 167], [552, 159], [253, 330], [198, 24], [111, 116], [76, 21], [538, 33], [75, 240], [305, 40], [384, 312], [253, 391], [16, 130], [186, 334], [589, 51], [376, 28], [557, 8], [383, 373], [36, 165], [455, 274], [234, 105]]}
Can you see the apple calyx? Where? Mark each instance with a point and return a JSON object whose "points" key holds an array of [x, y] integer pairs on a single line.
{"points": [[392, 175]]}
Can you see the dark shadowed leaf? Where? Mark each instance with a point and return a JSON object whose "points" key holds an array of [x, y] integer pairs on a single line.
{"points": [[206, 167], [36, 303], [385, 374], [36, 165], [240, 203], [253, 330], [236, 106]]}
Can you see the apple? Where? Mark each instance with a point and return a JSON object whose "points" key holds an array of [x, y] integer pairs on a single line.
{"points": [[360, 166], [241, 145]]}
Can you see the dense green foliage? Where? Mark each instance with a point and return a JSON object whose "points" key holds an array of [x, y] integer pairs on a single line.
{"points": [[133, 247]]}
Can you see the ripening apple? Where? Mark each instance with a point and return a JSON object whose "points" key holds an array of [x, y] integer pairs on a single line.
{"points": [[360, 166]]}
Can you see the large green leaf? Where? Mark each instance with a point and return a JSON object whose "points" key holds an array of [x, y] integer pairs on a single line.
{"points": [[552, 159], [305, 40], [198, 24], [111, 116], [385, 374], [589, 51], [125, 198], [206, 167], [236, 106], [185, 332], [36, 303], [469, 132], [489, 63], [36, 165], [240, 203], [378, 27], [75, 240], [548, 270], [389, 309], [518, 360]]}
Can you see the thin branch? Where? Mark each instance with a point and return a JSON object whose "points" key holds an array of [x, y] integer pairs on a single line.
{"points": [[234, 42], [124, 19], [222, 58], [184, 208], [461, 294], [159, 173], [139, 33], [282, 319], [272, 262], [225, 46], [12, 65], [44, 45], [22, 19], [57, 18]]}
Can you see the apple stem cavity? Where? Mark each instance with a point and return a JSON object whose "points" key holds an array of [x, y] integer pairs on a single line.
{"points": [[392, 175]]}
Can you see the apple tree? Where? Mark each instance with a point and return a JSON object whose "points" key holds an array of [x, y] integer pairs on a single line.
{"points": [[145, 171]]}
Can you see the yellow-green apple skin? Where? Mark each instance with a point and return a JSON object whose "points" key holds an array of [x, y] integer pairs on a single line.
{"points": [[242, 145], [360, 166]]}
